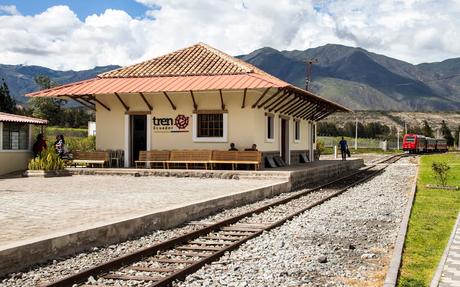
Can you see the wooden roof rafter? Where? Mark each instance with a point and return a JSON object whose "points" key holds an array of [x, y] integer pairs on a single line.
{"points": [[281, 98], [222, 104], [84, 102], [270, 98], [122, 102], [92, 97], [243, 104], [149, 106], [195, 106], [169, 100], [309, 110], [285, 102], [260, 98], [295, 101]]}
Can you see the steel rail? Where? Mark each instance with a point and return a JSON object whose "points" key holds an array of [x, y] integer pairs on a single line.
{"points": [[180, 274]]}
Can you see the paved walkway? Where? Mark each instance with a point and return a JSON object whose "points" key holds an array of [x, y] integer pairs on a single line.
{"points": [[450, 276], [35, 207]]}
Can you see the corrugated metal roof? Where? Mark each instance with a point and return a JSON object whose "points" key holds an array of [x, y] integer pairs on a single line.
{"points": [[160, 84], [4, 117]]}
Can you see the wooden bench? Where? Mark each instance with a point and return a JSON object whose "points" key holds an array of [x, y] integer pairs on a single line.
{"points": [[188, 157], [90, 157], [237, 157], [153, 156]]}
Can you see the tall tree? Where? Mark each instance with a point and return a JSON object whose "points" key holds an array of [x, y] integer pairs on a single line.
{"points": [[456, 136], [427, 130], [447, 134], [47, 108], [7, 103]]}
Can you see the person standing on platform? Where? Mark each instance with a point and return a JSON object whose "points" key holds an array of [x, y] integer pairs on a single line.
{"points": [[343, 148]]}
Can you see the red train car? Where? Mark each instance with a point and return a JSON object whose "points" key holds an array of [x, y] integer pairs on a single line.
{"points": [[430, 145], [441, 145], [414, 143], [417, 144]]}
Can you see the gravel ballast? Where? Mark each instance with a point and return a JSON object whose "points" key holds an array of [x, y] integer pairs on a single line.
{"points": [[344, 241]]}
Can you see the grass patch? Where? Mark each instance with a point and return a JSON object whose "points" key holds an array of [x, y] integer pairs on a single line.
{"points": [[432, 219]]}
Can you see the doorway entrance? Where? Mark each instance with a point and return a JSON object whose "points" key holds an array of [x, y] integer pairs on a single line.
{"points": [[138, 136], [285, 140]]}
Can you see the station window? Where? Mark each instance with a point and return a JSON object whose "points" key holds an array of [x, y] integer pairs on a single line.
{"points": [[270, 126], [296, 130], [210, 126], [15, 136]]}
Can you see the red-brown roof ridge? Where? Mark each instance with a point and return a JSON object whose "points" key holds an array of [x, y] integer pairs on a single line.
{"points": [[6, 117], [197, 60]]}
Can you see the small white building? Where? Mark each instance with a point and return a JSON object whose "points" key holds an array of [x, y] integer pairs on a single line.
{"points": [[16, 141]]}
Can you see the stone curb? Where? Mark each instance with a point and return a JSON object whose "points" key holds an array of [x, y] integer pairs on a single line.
{"points": [[391, 278], [442, 263]]}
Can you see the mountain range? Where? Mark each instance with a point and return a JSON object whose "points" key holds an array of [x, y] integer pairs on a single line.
{"points": [[354, 77]]}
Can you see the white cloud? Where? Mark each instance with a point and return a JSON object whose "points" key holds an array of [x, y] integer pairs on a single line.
{"points": [[9, 9], [415, 30]]}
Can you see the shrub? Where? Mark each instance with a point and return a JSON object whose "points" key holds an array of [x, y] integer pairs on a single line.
{"points": [[81, 144], [48, 160], [440, 170]]}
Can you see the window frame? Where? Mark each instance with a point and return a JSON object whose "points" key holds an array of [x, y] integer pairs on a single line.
{"points": [[297, 131], [29, 140], [224, 136], [272, 117]]}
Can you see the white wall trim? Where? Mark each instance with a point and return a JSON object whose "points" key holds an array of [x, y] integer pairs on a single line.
{"points": [[224, 138], [149, 131], [272, 140], [126, 143], [295, 122]]}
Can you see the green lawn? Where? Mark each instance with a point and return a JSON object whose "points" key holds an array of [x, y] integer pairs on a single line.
{"points": [[431, 222]]}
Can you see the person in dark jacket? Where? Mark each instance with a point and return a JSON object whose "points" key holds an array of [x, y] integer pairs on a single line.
{"points": [[343, 148], [39, 145], [232, 147]]}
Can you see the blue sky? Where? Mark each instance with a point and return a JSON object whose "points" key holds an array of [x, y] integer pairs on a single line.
{"points": [[82, 8], [60, 35]]}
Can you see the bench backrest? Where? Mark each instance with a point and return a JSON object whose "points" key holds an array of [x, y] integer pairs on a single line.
{"points": [[224, 155], [190, 155], [154, 155], [249, 156], [91, 155]]}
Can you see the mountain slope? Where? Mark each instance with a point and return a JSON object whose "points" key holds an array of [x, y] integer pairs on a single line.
{"points": [[354, 77], [20, 79], [363, 80]]}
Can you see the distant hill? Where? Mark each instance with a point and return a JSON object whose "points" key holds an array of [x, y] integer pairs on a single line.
{"points": [[363, 80], [20, 79], [354, 77]]}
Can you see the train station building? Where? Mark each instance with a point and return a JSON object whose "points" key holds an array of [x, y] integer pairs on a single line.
{"points": [[199, 98], [16, 141]]}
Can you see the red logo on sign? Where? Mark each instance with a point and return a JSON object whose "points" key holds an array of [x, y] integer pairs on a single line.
{"points": [[181, 122]]}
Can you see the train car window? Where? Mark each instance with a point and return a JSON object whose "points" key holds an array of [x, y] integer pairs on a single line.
{"points": [[410, 139]]}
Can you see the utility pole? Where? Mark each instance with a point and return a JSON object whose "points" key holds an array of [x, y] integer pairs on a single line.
{"points": [[405, 127], [310, 63], [356, 134], [397, 140]]}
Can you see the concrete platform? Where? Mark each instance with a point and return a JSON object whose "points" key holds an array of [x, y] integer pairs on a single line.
{"points": [[46, 218]]}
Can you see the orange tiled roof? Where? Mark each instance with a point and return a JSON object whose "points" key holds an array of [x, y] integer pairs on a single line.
{"points": [[196, 68], [197, 60], [5, 117]]}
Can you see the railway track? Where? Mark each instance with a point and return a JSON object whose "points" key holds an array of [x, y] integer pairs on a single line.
{"points": [[174, 259]]}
